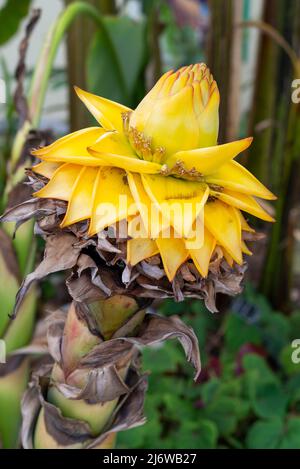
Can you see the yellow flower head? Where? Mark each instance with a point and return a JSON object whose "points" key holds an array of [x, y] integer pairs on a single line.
{"points": [[160, 168]]}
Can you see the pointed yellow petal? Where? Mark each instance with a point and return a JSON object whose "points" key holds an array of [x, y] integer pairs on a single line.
{"points": [[106, 112], [81, 199], [180, 82], [173, 254], [245, 249], [227, 257], [74, 144], [224, 224], [130, 163], [113, 142], [145, 107], [243, 202], [201, 256], [45, 169], [172, 122], [208, 160], [73, 148], [179, 201], [244, 225], [112, 199], [208, 120], [167, 86], [61, 184], [136, 228], [140, 249], [235, 177], [151, 216], [78, 160]]}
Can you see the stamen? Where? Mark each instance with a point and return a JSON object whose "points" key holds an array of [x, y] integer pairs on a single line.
{"points": [[216, 187], [125, 119], [159, 154], [140, 142], [179, 170]]}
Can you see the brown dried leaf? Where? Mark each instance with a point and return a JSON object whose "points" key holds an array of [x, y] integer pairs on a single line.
{"points": [[154, 329], [30, 407], [82, 289], [186, 273], [60, 254], [67, 431], [130, 412], [104, 384], [56, 324], [230, 282], [20, 100], [248, 236], [106, 353], [151, 270], [26, 210]]}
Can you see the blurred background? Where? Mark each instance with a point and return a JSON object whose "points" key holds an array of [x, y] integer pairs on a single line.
{"points": [[248, 395]]}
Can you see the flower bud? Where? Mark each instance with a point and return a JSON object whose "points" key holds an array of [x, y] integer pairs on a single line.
{"points": [[181, 111]]}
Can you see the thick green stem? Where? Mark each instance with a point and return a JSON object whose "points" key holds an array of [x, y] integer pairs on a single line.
{"points": [[78, 341]]}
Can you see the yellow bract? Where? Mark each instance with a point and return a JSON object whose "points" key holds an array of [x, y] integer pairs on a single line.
{"points": [[181, 112], [158, 167]]}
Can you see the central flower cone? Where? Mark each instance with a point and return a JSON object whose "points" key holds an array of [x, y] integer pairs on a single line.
{"points": [[160, 168]]}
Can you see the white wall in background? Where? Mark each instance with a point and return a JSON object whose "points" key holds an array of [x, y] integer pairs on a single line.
{"points": [[55, 113]]}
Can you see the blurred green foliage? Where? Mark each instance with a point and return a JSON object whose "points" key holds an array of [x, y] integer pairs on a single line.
{"points": [[11, 16], [248, 393], [179, 45], [116, 58]]}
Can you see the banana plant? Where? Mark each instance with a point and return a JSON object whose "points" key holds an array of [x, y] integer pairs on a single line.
{"points": [[18, 250], [103, 186]]}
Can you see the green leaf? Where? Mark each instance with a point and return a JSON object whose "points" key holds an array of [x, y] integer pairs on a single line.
{"points": [[12, 386], [137, 437], [264, 435], [9, 287], [209, 390], [197, 435], [258, 300], [224, 413], [286, 359], [256, 369], [269, 400], [275, 433], [114, 73], [291, 439], [292, 388], [25, 247], [238, 332], [164, 357], [160, 384], [276, 330], [203, 323], [21, 329], [177, 408], [168, 307], [11, 16]]}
